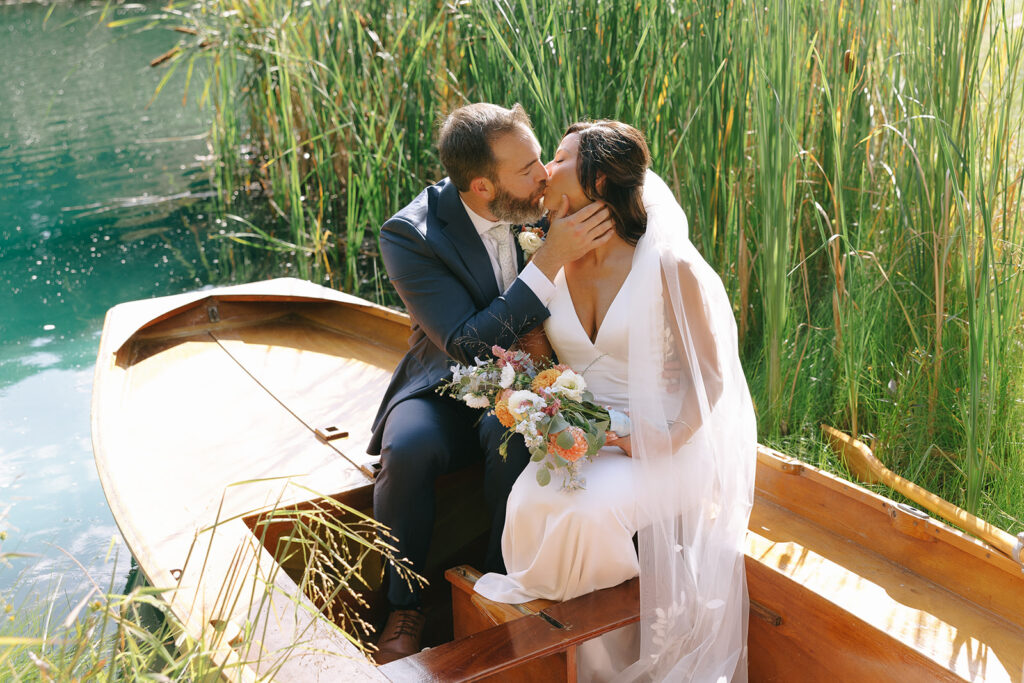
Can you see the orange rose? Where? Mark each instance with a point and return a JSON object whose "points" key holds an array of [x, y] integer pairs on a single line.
{"points": [[545, 379], [574, 452], [504, 414]]}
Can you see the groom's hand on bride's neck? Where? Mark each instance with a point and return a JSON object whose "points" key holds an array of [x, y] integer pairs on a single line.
{"points": [[570, 236]]}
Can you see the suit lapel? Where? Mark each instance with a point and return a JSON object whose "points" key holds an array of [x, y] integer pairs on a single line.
{"points": [[466, 240], [520, 256]]}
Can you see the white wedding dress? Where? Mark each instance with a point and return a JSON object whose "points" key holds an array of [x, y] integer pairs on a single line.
{"points": [[562, 544], [694, 444]]}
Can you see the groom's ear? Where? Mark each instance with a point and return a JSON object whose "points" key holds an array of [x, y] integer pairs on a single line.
{"points": [[482, 187]]}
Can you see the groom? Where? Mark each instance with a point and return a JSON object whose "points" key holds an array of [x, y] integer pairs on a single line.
{"points": [[454, 261]]}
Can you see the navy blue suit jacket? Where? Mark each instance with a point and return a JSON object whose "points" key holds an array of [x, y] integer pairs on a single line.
{"points": [[438, 265]]}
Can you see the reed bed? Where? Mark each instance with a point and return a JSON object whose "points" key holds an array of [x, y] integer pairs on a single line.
{"points": [[852, 169]]}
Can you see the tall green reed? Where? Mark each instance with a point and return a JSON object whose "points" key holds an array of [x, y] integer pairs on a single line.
{"points": [[775, 92], [988, 238]]}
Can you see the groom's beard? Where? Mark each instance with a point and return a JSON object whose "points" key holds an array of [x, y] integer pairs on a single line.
{"points": [[508, 208]]}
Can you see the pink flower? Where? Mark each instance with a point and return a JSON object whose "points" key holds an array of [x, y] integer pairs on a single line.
{"points": [[506, 357], [552, 408]]}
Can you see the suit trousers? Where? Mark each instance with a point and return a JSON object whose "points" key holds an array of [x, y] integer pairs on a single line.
{"points": [[424, 438]]}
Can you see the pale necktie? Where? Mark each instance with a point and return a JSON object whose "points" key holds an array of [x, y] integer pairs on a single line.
{"points": [[499, 237]]}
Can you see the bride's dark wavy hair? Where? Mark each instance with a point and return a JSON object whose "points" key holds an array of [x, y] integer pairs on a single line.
{"points": [[618, 153]]}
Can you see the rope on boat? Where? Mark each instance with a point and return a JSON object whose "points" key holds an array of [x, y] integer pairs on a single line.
{"points": [[362, 468]]}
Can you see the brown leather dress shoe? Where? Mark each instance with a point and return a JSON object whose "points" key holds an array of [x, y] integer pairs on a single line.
{"points": [[401, 636]]}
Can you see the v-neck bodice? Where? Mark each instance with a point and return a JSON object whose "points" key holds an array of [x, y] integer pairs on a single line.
{"points": [[603, 362]]}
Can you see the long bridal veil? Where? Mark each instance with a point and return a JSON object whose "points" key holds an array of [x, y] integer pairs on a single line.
{"points": [[694, 451]]}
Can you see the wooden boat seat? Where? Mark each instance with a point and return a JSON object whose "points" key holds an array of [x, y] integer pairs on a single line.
{"points": [[472, 612], [533, 641]]}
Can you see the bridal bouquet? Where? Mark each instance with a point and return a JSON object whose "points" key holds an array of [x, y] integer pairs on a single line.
{"points": [[550, 406]]}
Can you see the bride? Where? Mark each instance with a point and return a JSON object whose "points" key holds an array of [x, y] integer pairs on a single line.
{"points": [[649, 325]]}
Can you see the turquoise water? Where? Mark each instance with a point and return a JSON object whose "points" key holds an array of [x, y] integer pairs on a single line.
{"points": [[101, 201]]}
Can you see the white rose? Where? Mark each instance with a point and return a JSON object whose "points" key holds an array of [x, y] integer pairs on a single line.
{"points": [[570, 384], [508, 375], [530, 242], [522, 402], [476, 401]]}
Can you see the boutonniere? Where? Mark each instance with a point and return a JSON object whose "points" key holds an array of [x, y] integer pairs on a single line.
{"points": [[530, 240]]}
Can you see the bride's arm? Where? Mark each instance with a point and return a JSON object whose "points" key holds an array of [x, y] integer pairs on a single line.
{"points": [[695, 349], [535, 343], [692, 357]]}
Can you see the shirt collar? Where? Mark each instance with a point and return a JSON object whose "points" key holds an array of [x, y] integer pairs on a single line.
{"points": [[481, 224]]}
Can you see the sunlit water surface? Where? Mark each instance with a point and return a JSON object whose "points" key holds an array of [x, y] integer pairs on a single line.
{"points": [[100, 202]]}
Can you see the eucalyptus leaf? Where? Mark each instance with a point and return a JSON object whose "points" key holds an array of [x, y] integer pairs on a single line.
{"points": [[565, 439], [557, 425], [543, 476], [537, 456], [595, 442]]}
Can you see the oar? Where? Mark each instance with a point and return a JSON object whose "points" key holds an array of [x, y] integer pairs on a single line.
{"points": [[867, 468]]}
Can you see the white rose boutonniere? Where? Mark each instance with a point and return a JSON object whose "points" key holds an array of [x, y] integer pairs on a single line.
{"points": [[530, 240]]}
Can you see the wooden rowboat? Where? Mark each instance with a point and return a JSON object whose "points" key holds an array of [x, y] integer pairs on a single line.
{"points": [[205, 411]]}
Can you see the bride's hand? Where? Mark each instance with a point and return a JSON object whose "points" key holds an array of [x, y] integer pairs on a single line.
{"points": [[571, 236], [623, 442]]}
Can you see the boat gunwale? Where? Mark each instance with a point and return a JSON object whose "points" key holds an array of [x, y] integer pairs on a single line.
{"points": [[145, 313], [942, 531]]}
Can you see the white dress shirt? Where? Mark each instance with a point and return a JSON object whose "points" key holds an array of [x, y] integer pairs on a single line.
{"points": [[531, 275]]}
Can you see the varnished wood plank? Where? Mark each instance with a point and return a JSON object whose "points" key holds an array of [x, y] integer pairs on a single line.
{"points": [[384, 328], [322, 376], [931, 549], [472, 613], [869, 603], [467, 620], [818, 642], [134, 318], [601, 611], [503, 647]]}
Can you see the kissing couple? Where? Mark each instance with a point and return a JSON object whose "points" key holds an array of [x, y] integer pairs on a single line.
{"points": [[617, 292]]}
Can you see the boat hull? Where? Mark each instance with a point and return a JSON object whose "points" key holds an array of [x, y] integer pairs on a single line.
{"points": [[205, 413]]}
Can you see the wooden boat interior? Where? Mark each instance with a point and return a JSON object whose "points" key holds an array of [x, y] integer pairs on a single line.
{"points": [[191, 392]]}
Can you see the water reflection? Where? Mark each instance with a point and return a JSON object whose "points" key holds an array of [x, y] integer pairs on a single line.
{"points": [[48, 478], [97, 191], [102, 200]]}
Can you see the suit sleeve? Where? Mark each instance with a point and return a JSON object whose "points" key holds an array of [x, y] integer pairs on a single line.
{"points": [[439, 303]]}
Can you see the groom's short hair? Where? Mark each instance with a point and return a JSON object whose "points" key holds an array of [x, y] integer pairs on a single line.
{"points": [[465, 137]]}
